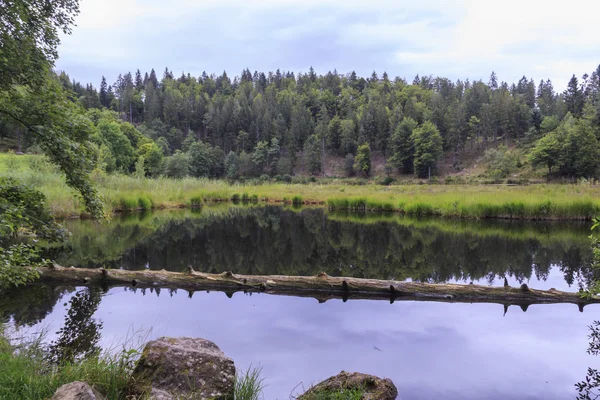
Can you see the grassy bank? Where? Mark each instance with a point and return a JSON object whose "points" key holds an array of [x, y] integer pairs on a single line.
{"points": [[551, 201], [25, 372]]}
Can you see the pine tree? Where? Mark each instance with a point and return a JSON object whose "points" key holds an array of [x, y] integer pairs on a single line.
{"points": [[574, 97], [139, 83], [104, 93], [493, 83]]}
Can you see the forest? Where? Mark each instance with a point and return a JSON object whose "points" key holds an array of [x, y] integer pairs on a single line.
{"points": [[280, 124]]}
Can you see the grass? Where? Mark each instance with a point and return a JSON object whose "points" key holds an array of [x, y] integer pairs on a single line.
{"points": [[121, 193], [249, 385], [343, 394], [26, 374]]}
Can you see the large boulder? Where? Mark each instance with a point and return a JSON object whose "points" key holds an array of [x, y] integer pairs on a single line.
{"points": [[372, 387], [76, 391], [174, 368]]}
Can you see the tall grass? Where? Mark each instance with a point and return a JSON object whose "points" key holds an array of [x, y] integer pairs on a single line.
{"points": [[25, 372], [122, 192], [249, 385]]}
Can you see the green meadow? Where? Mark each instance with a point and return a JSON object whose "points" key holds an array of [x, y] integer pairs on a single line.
{"points": [[123, 193]]}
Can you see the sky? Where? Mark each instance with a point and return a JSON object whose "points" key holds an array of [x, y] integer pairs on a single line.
{"points": [[457, 39]]}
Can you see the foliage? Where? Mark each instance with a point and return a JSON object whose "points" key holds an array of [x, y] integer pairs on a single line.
{"points": [[78, 338], [178, 165], [153, 158], [24, 208], [546, 152], [32, 98], [362, 160], [18, 264], [61, 131], [402, 146], [501, 162], [200, 159], [23, 211], [29, 32], [349, 165], [232, 162], [428, 149], [573, 147], [312, 155], [589, 388]]}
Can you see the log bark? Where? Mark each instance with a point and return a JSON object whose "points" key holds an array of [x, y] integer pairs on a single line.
{"points": [[321, 286]]}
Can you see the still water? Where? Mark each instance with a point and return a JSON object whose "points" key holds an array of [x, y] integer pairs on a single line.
{"points": [[430, 350]]}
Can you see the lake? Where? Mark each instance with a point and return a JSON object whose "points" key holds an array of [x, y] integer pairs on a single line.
{"points": [[429, 349]]}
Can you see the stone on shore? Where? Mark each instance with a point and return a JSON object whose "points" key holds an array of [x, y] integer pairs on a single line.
{"points": [[372, 387], [174, 368], [77, 391]]}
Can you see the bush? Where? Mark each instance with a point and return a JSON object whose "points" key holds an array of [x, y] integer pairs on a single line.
{"points": [[297, 200], [362, 161], [40, 164], [388, 180], [501, 162], [145, 203], [196, 202], [264, 178], [177, 166]]}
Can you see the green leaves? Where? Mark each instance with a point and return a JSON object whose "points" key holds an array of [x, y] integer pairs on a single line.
{"points": [[62, 132], [18, 264], [362, 161], [428, 148]]}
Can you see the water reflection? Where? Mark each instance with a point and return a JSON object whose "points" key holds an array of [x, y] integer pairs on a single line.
{"points": [[470, 351], [589, 388], [273, 240], [79, 336]]}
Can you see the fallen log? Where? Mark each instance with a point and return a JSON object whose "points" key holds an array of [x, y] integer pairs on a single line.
{"points": [[321, 286]]}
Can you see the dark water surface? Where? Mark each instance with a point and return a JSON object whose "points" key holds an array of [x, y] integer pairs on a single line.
{"points": [[430, 350]]}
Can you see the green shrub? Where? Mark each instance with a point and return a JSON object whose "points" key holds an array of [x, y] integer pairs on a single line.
{"points": [[297, 200], [196, 202], [145, 203], [388, 180], [264, 179], [128, 204]]}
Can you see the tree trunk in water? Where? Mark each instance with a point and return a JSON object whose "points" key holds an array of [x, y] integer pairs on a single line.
{"points": [[320, 286]]}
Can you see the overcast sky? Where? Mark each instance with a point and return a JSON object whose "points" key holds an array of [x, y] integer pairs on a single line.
{"points": [[454, 38]]}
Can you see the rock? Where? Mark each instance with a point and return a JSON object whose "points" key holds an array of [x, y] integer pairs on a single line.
{"points": [[174, 368], [374, 388], [77, 391]]}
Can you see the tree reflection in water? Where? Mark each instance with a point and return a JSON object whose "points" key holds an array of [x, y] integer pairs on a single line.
{"points": [[79, 336]]}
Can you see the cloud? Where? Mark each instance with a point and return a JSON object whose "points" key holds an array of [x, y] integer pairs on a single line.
{"points": [[457, 39]]}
